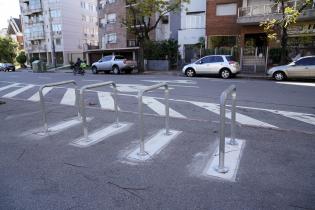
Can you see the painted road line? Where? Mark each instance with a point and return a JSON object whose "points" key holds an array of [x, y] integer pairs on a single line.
{"points": [[101, 135], [154, 145], [159, 108], [191, 82], [35, 97], [68, 97], [18, 91], [307, 118], [232, 158], [63, 125], [106, 100], [9, 86], [305, 84], [240, 118]]}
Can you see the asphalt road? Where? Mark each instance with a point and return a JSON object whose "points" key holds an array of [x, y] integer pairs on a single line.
{"points": [[275, 167]]}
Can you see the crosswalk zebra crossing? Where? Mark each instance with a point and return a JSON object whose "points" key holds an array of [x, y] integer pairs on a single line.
{"points": [[155, 105]]}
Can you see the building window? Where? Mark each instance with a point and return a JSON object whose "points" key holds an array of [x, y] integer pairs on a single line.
{"points": [[56, 27], [55, 13], [111, 38], [53, 1], [226, 9], [111, 18], [58, 41], [83, 5], [195, 20]]}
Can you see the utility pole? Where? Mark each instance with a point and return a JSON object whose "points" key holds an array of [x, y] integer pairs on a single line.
{"points": [[53, 50]]}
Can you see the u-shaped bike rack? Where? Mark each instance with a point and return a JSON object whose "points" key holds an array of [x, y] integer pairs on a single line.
{"points": [[82, 104], [42, 101], [141, 120], [230, 91]]}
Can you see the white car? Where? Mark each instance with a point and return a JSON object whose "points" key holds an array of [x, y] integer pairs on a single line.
{"points": [[113, 63], [304, 67], [223, 65]]}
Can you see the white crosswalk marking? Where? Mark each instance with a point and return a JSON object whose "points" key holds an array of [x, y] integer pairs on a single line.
{"points": [[35, 97], [69, 97], [307, 118], [159, 108], [240, 118], [9, 86], [18, 91], [106, 100]]}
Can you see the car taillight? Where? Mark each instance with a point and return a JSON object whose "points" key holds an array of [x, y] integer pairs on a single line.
{"points": [[125, 61], [232, 62]]}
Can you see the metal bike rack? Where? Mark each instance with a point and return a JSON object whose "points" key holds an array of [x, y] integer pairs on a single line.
{"points": [[42, 102], [141, 120], [82, 105], [230, 91]]}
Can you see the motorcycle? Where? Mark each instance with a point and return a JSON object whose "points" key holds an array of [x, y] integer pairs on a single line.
{"points": [[79, 69]]}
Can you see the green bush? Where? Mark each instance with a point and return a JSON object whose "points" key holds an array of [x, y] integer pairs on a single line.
{"points": [[161, 50], [21, 58]]}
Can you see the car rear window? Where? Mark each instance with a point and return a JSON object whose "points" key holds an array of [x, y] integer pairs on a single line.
{"points": [[119, 57], [229, 58]]}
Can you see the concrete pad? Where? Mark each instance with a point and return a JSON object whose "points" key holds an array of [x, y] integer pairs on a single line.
{"points": [[102, 134], [154, 145], [232, 159]]}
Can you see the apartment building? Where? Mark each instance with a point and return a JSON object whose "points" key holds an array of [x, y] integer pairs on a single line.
{"points": [[236, 22], [66, 27], [192, 27]]}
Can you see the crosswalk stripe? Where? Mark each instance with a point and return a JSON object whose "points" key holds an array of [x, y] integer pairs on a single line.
{"points": [[9, 86], [69, 97], [35, 97], [106, 100], [307, 118], [240, 118], [18, 91], [159, 108]]}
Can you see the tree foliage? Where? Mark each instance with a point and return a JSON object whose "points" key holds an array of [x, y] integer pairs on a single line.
{"points": [[143, 16], [7, 50], [162, 50], [21, 58], [278, 28]]}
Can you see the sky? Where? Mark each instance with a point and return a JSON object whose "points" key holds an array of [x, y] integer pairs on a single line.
{"points": [[8, 8]]}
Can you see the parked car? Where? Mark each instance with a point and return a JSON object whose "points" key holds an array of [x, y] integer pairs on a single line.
{"points": [[304, 67], [7, 67], [223, 65], [113, 63]]}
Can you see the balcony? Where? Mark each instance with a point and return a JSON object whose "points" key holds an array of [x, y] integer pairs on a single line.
{"points": [[38, 35], [31, 11], [253, 15]]}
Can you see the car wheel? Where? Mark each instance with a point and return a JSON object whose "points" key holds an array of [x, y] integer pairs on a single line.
{"points": [[116, 70], [94, 70], [225, 73], [279, 76], [190, 72]]}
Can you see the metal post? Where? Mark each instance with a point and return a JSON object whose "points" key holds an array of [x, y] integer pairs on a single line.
{"points": [[221, 168], [82, 104], [233, 119], [230, 91], [141, 124], [141, 119], [241, 59], [42, 100], [42, 104], [167, 111]]}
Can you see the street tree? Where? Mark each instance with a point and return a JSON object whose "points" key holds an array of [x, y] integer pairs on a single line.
{"points": [[21, 59], [8, 50], [277, 28], [143, 16]]}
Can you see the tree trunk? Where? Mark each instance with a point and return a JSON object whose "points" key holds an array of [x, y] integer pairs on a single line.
{"points": [[284, 43], [141, 56]]}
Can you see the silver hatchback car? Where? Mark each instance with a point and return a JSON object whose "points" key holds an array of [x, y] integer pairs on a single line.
{"points": [[304, 67], [223, 65]]}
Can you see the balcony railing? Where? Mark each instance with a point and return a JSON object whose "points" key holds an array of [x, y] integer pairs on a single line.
{"points": [[33, 10], [258, 13], [37, 35]]}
